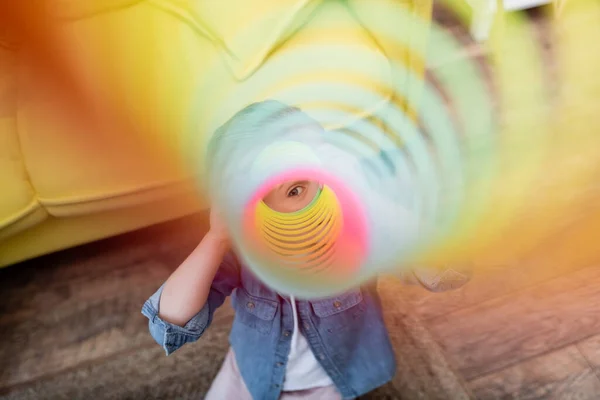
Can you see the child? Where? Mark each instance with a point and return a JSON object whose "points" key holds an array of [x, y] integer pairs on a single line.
{"points": [[281, 347]]}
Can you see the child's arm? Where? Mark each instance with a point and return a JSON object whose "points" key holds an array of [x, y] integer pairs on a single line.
{"points": [[182, 308], [186, 291]]}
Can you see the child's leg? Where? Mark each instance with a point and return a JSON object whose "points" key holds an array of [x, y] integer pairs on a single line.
{"points": [[229, 383]]}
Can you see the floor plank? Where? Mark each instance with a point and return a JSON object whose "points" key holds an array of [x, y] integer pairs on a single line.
{"points": [[83, 304], [561, 375], [423, 371], [590, 348], [79, 321], [512, 328], [486, 283], [97, 258], [142, 373]]}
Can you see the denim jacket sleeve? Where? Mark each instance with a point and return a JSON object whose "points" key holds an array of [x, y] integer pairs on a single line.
{"points": [[170, 336]]}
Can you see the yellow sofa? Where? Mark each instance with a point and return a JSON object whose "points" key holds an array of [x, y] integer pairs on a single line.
{"points": [[62, 186]]}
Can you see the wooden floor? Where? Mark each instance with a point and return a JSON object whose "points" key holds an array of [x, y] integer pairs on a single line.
{"points": [[519, 333], [71, 328]]}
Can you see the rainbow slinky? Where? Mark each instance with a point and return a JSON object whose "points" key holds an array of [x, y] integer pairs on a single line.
{"points": [[493, 168]]}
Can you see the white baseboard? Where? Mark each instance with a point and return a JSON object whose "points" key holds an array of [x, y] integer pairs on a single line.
{"points": [[484, 11], [514, 5]]}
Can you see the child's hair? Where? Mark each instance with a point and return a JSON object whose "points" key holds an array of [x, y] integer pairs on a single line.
{"points": [[258, 125]]}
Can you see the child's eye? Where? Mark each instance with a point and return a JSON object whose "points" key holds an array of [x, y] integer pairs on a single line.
{"points": [[296, 191]]}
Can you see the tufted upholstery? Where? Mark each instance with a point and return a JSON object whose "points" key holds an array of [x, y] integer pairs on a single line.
{"points": [[19, 208]]}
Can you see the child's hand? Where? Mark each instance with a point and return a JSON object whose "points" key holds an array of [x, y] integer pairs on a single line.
{"points": [[218, 230], [444, 278]]}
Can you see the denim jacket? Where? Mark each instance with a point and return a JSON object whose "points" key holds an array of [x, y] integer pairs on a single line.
{"points": [[346, 333]]}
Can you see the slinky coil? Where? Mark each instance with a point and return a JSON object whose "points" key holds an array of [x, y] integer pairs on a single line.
{"points": [[472, 166], [328, 238], [306, 238]]}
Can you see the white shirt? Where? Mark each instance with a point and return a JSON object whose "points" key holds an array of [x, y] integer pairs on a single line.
{"points": [[303, 370]]}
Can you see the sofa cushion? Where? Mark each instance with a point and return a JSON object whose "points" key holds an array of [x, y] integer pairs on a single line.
{"points": [[232, 26], [229, 25], [331, 68], [124, 59], [19, 208]]}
